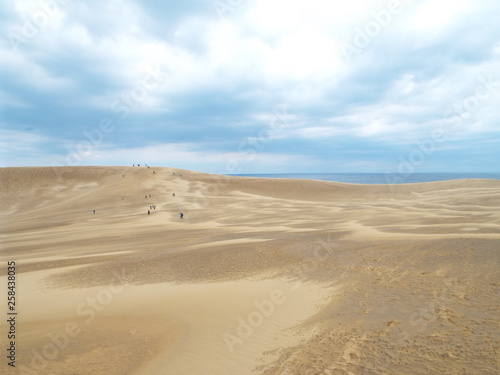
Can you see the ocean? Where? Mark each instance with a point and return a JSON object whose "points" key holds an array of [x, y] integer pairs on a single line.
{"points": [[378, 178]]}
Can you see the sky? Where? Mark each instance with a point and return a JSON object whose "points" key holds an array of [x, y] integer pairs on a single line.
{"points": [[252, 86]]}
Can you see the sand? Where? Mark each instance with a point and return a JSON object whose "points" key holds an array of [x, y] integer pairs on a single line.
{"points": [[262, 276]]}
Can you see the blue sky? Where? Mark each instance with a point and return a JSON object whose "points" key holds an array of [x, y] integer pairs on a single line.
{"points": [[251, 86]]}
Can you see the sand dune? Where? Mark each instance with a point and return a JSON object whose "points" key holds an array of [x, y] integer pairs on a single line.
{"points": [[260, 277]]}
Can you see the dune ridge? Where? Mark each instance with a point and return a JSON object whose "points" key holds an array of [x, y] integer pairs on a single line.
{"points": [[261, 276]]}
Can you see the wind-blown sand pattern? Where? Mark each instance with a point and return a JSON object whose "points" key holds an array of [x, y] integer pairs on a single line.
{"points": [[260, 277]]}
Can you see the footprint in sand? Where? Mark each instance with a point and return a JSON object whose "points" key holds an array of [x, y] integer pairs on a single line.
{"points": [[393, 323]]}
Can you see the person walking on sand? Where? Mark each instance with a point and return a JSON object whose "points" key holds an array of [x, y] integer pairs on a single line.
{"points": [[149, 212], [181, 216], [93, 211]]}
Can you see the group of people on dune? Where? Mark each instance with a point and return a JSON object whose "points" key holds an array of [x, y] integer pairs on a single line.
{"points": [[152, 206]]}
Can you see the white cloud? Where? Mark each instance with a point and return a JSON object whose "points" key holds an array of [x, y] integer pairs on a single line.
{"points": [[9, 100], [30, 73], [319, 132], [22, 148], [435, 15]]}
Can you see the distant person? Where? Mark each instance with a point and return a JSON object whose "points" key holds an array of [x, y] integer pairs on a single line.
{"points": [[149, 212], [146, 196], [181, 216], [149, 195], [93, 211], [173, 195]]}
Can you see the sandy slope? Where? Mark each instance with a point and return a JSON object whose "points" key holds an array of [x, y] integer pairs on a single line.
{"points": [[260, 277]]}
